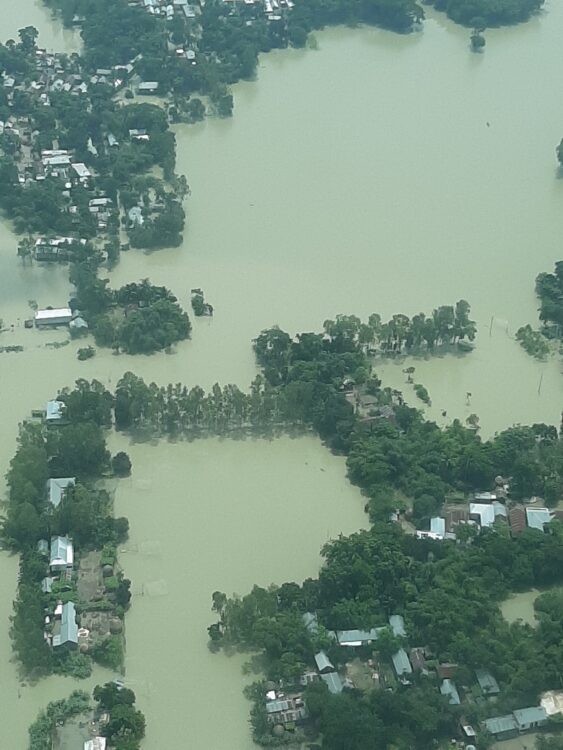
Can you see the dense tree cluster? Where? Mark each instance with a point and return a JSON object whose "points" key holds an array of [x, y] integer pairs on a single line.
{"points": [[126, 726], [481, 13], [137, 319], [549, 288]]}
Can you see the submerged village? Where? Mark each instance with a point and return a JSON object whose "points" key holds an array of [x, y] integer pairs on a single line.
{"points": [[400, 641]]}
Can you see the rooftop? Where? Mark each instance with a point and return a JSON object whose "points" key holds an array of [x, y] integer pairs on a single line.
{"points": [[501, 724], [449, 689], [58, 312], [356, 637], [537, 517], [333, 681], [398, 626], [529, 716], [401, 662], [56, 489], [487, 682], [323, 662]]}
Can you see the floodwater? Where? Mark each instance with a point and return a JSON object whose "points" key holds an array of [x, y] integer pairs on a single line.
{"points": [[16, 14], [380, 173], [520, 607], [216, 515]]}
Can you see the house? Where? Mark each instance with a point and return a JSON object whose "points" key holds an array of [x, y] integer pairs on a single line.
{"points": [[447, 670], [552, 701], [502, 727], [57, 317], [47, 585], [67, 637], [352, 638], [487, 682], [148, 87], [54, 411], [417, 659], [397, 626], [333, 681], [538, 517], [484, 497], [78, 324], [448, 688], [286, 710], [311, 622], [438, 526], [323, 663], [62, 553], [56, 489], [82, 171], [483, 513], [401, 663], [530, 718], [96, 743], [139, 134], [517, 520]]}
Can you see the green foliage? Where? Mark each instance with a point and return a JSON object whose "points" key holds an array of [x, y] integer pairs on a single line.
{"points": [[57, 712], [72, 664], [422, 393], [532, 341], [110, 653], [78, 450], [549, 288], [501, 13], [85, 353], [121, 464]]}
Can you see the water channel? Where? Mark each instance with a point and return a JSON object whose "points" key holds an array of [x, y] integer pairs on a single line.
{"points": [[380, 173]]}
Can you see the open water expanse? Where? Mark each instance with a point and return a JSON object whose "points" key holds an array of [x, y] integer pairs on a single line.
{"points": [[381, 173]]}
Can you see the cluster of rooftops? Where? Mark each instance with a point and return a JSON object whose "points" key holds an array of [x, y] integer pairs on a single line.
{"points": [[289, 708], [484, 511]]}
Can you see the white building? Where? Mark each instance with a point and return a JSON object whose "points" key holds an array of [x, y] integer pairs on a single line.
{"points": [[58, 316]]}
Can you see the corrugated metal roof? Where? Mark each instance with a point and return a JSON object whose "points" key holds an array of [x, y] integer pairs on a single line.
{"points": [[527, 716], [398, 626], [537, 517], [357, 637], [56, 488], [401, 662], [449, 689], [485, 512], [333, 681], [311, 622], [501, 724], [487, 682], [323, 662], [438, 525]]}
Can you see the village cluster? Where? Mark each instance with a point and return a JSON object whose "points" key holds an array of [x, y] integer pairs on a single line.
{"points": [[92, 581], [286, 709]]}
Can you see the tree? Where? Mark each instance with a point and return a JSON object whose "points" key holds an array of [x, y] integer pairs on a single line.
{"points": [[121, 464]]}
